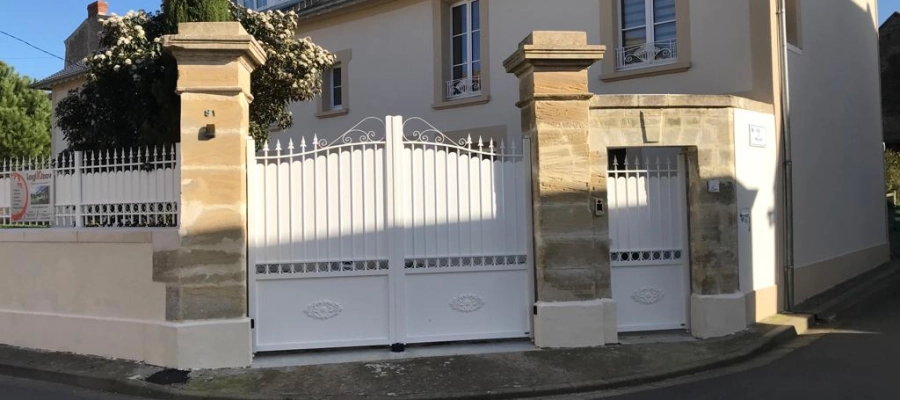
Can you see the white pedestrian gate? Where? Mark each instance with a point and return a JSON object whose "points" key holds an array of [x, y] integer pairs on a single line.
{"points": [[390, 234], [648, 231]]}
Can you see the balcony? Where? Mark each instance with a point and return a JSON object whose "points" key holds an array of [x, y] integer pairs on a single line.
{"points": [[647, 55], [463, 88]]}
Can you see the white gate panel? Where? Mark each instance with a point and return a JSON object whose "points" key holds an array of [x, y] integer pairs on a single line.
{"points": [[320, 275], [390, 234], [466, 240], [468, 304], [648, 242], [340, 311]]}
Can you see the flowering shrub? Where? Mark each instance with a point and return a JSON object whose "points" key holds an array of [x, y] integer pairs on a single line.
{"points": [[130, 98]]}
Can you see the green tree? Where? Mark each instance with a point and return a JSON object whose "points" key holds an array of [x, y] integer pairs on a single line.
{"points": [[129, 98], [178, 11], [24, 117]]}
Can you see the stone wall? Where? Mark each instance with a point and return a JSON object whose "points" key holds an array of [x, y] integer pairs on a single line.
{"points": [[704, 127]]}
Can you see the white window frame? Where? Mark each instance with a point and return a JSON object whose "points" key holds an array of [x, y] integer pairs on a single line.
{"points": [[468, 59], [337, 69], [650, 33]]}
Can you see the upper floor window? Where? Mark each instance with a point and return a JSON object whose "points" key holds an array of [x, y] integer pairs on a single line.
{"points": [[461, 53], [254, 4], [336, 83], [792, 18], [465, 50], [335, 98], [647, 33]]}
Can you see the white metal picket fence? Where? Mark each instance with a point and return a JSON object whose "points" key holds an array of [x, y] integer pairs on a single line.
{"points": [[648, 246], [137, 187], [392, 233]]}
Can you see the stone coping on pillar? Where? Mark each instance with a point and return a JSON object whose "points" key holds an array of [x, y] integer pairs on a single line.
{"points": [[679, 101], [567, 50], [196, 38]]}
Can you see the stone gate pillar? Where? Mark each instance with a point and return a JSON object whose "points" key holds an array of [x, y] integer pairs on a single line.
{"points": [[206, 278], [573, 307]]}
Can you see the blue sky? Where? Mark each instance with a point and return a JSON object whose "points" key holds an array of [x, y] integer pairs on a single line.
{"points": [[47, 23]]}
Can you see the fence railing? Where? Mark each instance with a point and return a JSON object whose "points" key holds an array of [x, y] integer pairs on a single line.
{"points": [[647, 54], [137, 187]]}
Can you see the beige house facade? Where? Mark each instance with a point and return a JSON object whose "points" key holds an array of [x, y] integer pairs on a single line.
{"points": [[674, 164], [400, 63]]}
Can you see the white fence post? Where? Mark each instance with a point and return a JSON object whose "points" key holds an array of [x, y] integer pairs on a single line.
{"points": [[79, 221]]}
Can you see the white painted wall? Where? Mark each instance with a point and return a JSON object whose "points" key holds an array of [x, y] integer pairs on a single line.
{"points": [[391, 71], [837, 135], [756, 173]]}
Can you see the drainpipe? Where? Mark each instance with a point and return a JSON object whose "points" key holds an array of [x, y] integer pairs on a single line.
{"points": [[788, 188]]}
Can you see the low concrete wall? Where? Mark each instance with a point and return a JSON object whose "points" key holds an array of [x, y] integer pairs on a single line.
{"points": [[91, 291]]}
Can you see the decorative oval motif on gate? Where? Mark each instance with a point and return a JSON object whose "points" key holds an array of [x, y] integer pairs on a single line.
{"points": [[467, 303], [323, 309], [648, 295]]}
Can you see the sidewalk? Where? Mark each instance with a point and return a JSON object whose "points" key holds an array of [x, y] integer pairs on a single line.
{"points": [[503, 375]]}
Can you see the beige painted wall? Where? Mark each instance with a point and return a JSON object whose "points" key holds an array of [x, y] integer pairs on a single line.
{"points": [[58, 93], [392, 67], [84, 273], [721, 62], [837, 139], [91, 291]]}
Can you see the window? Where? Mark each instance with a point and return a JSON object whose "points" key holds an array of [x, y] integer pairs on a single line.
{"points": [[792, 18], [336, 87], [650, 37], [335, 100], [461, 56], [648, 33], [465, 50]]}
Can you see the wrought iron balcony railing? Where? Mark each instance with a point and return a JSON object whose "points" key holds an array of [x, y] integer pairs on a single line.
{"points": [[647, 54], [462, 88]]}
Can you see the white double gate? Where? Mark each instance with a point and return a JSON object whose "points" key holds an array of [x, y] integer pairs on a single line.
{"points": [[648, 232], [392, 233]]}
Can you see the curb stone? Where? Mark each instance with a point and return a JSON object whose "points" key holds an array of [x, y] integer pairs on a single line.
{"points": [[771, 339]]}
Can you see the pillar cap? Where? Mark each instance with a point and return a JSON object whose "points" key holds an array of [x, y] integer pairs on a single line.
{"points": [[559, 50], [217, 37]]}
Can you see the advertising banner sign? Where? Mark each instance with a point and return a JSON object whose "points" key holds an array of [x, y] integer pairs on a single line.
{"points": [[32, 196]]}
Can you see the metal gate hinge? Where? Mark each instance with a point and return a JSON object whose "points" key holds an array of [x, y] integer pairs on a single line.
{"points": [[252, 323]]}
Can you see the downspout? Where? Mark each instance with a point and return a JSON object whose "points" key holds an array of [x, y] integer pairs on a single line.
{"points": [[788, 189]]}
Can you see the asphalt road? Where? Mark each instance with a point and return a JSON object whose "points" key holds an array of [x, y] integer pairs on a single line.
{"points": [[859, 359], [22, 389]]}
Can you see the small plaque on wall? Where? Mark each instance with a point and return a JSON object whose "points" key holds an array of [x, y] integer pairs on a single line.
{"points": [[757, 136]]}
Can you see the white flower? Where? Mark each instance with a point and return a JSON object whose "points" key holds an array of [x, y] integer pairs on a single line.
{"points": [[127, 61], [109, 53], [116, 68], [156, 40]]}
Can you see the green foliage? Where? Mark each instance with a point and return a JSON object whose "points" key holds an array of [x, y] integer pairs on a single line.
{"points": [[178, 11], [892, 170], [129, 99], [24, 117]]}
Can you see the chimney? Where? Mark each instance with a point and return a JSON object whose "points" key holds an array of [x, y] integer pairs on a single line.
{"points": [[97, 8]]}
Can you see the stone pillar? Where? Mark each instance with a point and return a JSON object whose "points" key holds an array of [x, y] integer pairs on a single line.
{"points": [[207, 277], [574, 308]]}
